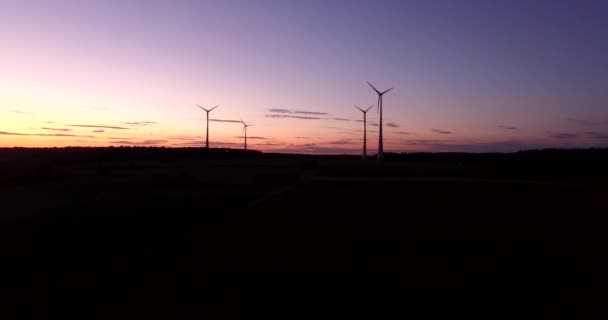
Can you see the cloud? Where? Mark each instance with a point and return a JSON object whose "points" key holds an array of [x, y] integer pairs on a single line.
{"points": [[252, 138], [289, 116], [60, 135], [139, 123], [586, 123], [403, 132], [341, 142], [182, 138], [269, 144], [145, 142], [225, 120], [96, 108], [311, 112], [392, 125], [42, 134], [434, 145], [278, 110], [507, 127], [50, 122], [563, 136], [99, 131], [56, 129], [598, 135], [441, 131], [22, 112], [312, 148], [340, 119], [97, 126], [214, 144], [306, 138], [4, 133]]}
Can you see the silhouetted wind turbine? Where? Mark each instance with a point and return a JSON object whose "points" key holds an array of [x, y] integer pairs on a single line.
{"points": [[380, 140], [364, 130], [207, 135], [245, 131]]}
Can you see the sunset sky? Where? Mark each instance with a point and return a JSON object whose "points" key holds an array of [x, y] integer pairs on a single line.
{"points": [[469, 76]]}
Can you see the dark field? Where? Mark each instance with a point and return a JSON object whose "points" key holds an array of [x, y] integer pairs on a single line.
{"points": [[171, 233]]}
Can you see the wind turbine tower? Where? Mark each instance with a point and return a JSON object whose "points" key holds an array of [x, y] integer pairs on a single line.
{"points": [[207, 134], [245, 131], [364, 130], [380, 140]]}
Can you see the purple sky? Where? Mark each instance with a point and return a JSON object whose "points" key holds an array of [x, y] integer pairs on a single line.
{"points": [[468, 75]]}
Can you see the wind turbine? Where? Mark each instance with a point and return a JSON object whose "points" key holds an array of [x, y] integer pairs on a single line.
{"points": [[207, 135], [245, 131], [364, 130], [380, 140]]}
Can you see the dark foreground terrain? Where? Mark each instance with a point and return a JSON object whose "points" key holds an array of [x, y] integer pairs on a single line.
{"points": [[163, 233]]}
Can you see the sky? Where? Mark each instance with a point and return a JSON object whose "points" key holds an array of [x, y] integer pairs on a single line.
{"points": [[471, 76]]}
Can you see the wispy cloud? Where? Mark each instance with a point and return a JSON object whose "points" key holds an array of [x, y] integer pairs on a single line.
{"points": [[598, 135], [563, 135], [341, 142], [225, 120], [270, 144], [473, 146], [139, 123], [403, 132], [182, 138], [214, 144], [43, 134], [145, 142], [56, 129], [252, 138], [291, 111], [279, 110], [392, 125], [340, 119], [97, 126], [507, 127], [22, 112], [312, 148], [441, 131], [50, 122], [4, 133], [99, 131], [290, 116], [586, 123], [62, 135]]}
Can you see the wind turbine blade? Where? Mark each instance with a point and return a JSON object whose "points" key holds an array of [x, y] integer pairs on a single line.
{"points": [[213, 108], [244, 128], [373, 87], [359, 109], [366, 110], [200, 106], [387, 90]]}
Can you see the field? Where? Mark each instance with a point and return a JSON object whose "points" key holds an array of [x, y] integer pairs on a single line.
{"points": [[167, 233]]}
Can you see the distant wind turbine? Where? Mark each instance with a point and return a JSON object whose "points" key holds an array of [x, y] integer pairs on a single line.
{"points": [[207, 135], [364, 130], [380, 140], [245, 131]]}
